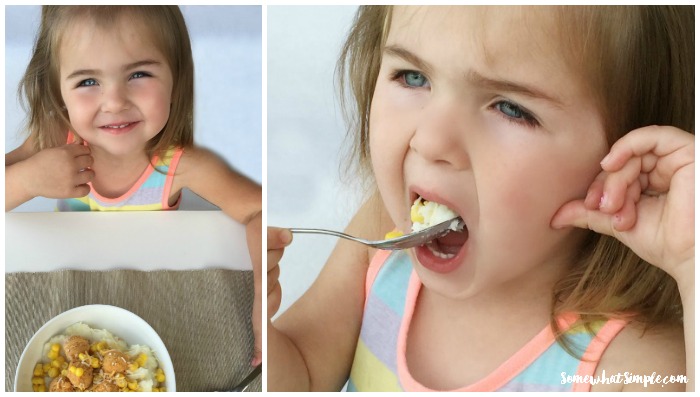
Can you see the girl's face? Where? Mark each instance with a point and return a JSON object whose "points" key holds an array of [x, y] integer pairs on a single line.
{"points": [[116, 85], [475, 109]]}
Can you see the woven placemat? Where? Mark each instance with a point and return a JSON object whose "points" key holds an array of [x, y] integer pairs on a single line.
{"points": [[202, 316]]}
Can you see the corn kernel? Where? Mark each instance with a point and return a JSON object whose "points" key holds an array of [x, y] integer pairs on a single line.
{"points": [[61, 359], [132, 385], [79, 372], [133, 367], [120, 382], [160, 377], [64, 365], [55, 347], [159, 370], [52, 354], [71, 369], [142, 359], [64, 372], [82, 356], [46, 367], [38, 380], [38, 370], [53, 372], [393, 234], [55, 364], [95, 362], [415, 215]]}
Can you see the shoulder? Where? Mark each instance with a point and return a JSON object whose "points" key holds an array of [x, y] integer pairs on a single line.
{"points": [[655, 354]]}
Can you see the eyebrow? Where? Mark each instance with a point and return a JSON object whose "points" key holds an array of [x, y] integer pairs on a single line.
{"points": [[475, 78], [92, 72]]}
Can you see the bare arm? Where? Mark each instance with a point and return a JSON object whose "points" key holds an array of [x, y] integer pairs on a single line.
{"points": [[59, 172], [210, 177], [312, 345]]}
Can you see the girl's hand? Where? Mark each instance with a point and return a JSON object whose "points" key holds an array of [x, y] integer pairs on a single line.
{"points": [[644, 197], [277, 239], [60, 172]]}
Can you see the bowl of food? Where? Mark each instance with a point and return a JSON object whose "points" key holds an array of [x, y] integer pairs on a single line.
{"points": [[95, 348]]}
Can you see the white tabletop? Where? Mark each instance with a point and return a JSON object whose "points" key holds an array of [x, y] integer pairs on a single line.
{"points": [[157, 240]]}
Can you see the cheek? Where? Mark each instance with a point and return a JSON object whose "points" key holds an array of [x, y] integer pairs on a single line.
{"points": [[388, 142]]}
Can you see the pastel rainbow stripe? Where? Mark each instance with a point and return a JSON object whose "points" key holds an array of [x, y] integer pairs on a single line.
{"points": [[380, 356]]}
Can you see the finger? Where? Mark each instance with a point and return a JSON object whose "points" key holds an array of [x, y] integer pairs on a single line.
{"points": [[80, 191], [278, 238], [84, 161], [595, 192], [78, 149], [672, 147], [617, 183], [626, 218], [273, 277], [83, 177], [274, 299], [575, 213], [273, 258]]}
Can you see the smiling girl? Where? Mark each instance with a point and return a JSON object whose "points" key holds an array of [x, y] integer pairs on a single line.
{"points": [[110, 94], [525, 121]]}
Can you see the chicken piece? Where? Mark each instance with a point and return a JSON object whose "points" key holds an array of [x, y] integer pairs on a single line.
{"points": [[115, 361], [105, 386], [80, 375], [74, 346], [61, 384]]}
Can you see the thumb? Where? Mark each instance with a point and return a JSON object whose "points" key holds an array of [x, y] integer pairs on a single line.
{"points": [[575, 213], [278, 238]]}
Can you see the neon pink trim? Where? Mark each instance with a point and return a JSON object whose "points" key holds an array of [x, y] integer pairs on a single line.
{"points": [[146, 173], [496, 379], [169, 181], [591, 357], [374, 266]]}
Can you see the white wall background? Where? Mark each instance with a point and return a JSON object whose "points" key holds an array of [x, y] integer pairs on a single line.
{"points": [[227, 51], [305, 136]]}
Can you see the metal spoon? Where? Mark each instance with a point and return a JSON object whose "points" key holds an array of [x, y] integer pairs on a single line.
{"points": [[245, 383], [408, 241]]}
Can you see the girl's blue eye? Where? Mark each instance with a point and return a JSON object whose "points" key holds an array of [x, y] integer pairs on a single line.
{"points": [[87, 83], [138, 75], [415, 79], [411, 79], [516, 113]]}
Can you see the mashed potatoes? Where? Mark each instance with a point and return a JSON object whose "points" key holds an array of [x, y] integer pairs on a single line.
{"points": [[88, 359], [425, 214]]}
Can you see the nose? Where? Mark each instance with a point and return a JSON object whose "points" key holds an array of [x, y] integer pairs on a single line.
{"points": [[114, 98], [440, 135]]}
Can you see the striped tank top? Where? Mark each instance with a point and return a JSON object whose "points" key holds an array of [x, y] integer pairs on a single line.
{"points": [[151, 192], [380, 356]]}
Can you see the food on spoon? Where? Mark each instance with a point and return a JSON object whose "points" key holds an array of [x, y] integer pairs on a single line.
{"points": [[425, 214], [96, 360], [393, 234]]}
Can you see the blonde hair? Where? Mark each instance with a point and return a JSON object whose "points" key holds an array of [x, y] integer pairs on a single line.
{"points": [[639, 62], [39, 89]]}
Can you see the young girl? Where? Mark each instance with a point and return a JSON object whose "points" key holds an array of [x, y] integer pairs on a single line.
{"points": [[110, 96], [536, 126]]}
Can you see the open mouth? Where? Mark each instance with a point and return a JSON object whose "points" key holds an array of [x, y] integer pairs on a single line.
{"points": [[442, 254]]}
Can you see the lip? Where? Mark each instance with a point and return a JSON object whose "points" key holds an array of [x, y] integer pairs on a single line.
{"points": [[423, 255], [128, 127], [437, 264]]}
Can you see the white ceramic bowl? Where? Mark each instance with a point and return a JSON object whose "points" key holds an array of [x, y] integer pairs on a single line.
{"points": [[120, 322]]}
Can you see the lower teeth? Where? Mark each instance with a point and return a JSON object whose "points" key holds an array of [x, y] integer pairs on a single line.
{"points": [[440, 254]]}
